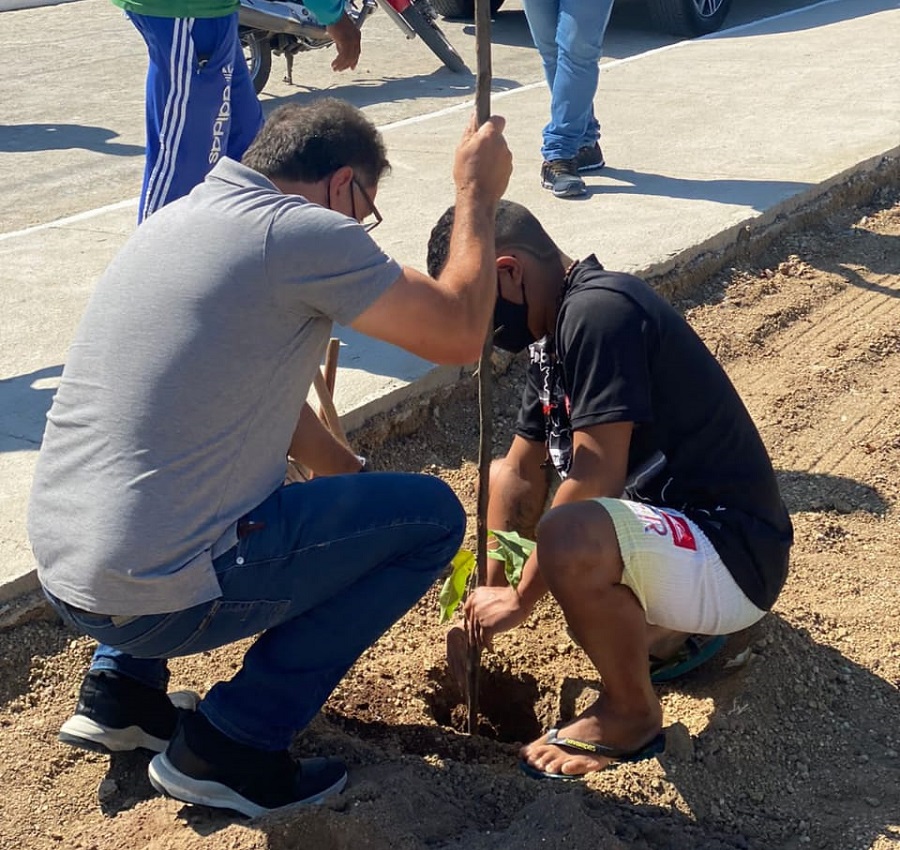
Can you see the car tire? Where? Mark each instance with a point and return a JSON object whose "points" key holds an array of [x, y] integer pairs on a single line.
{"points": [[461, 8], [688, 17]]}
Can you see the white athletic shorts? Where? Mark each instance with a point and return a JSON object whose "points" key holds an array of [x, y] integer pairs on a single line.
{"points": [[676, 574]]}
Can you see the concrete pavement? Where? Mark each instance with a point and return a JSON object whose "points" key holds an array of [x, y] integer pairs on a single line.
{"points": [[707, 141]]}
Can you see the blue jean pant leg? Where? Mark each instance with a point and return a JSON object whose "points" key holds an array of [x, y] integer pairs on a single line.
{"points": [[569, 36], [326, 568], [352, 554], [153, 672]]}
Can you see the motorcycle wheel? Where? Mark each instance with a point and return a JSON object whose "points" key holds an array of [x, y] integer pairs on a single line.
{"points": [[258, 54], [461, 8], [420, 17], [688, 17]]}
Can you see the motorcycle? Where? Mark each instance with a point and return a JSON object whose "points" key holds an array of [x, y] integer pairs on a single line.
{"points": [[284, 27]]}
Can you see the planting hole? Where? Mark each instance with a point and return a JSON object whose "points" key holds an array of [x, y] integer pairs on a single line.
{"points": [[506, 704]]}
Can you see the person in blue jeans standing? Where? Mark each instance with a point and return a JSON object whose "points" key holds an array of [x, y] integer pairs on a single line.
{"points": [[569, 36], [159, 517], [200, 102]]}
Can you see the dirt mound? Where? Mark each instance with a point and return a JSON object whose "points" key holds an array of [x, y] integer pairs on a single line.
{"points": [[788, 739]]}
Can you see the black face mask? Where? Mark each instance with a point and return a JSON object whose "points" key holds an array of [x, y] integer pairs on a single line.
{"points": [[511, 331]]}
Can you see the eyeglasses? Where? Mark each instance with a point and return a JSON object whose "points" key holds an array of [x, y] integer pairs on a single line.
{"points": [[373, 210]]}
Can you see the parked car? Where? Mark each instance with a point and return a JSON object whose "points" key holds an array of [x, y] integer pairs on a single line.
{"points": [[679, 17]]}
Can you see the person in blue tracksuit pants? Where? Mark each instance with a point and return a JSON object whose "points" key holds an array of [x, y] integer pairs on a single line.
{"points": [[200, 101]]}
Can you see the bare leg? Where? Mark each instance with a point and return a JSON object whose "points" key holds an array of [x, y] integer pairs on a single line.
{"points": [[516, 504], [580, 561], [664, 643]]}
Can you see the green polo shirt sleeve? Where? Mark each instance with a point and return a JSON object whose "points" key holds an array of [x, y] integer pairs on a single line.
{"points": [[179, 8], [326, 11]]}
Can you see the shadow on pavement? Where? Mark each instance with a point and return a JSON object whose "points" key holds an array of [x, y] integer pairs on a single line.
{"points": [[440, 83], [22, 138], [757, 194], [24, 404], [508, 27]]}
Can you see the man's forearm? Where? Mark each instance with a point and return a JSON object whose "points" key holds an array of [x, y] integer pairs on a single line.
{"points": [[532, 585], [469, 272], [518, 494]]}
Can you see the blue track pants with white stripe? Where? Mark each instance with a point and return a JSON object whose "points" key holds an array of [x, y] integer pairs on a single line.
{"points": [[200, 103]]}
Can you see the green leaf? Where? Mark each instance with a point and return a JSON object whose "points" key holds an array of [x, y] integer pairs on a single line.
{"points": [[455, 586], [513, 550]]}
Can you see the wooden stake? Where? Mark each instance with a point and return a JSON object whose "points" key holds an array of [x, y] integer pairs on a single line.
{"points": [[485, 390], [327, 410], [329, 370], [323, 381]]}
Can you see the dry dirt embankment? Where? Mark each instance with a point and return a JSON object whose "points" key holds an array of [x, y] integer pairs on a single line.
{"points": [[796, 747]]}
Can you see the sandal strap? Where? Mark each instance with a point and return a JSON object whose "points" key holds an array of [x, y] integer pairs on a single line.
{"points": [[651, 748]]}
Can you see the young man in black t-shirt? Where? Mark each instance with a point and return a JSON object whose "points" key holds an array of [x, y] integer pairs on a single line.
{"points": [[668, 525]]}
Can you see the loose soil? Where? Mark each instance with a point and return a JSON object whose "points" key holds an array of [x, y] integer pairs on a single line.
{"points": [[789, 739]]}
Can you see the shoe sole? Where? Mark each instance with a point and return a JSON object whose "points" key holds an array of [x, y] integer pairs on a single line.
{"points": [[574, 192], [86, 734], [171, 782], [594, 167]]}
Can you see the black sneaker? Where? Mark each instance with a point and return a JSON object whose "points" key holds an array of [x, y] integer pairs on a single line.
{"points": [[560, 176], [207, 768], [589, 158], [117, 714]]}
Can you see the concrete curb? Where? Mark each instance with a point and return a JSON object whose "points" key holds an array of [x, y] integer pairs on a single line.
{"points": [[859, 184], [399, 412]]}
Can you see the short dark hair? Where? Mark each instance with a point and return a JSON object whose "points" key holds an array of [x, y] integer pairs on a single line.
{"points": [[515, 227], [308, 143]]}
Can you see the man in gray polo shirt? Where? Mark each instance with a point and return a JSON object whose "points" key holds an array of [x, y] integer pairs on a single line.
{"points": [[158, 514]]}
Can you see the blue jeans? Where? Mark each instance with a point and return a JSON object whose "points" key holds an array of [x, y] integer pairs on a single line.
{"points": [[569, 36], [322, 569]]}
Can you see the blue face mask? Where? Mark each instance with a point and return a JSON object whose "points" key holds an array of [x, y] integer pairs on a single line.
{"points": [[511, 331]]}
